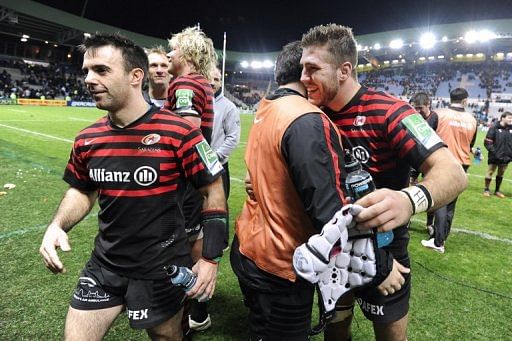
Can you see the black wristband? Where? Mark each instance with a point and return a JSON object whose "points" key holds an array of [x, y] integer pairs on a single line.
{"points": [[215, 239]]}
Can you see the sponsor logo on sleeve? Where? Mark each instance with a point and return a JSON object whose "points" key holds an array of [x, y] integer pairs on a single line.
{"points": [[208, 157], [420, 129], [184, 98]]}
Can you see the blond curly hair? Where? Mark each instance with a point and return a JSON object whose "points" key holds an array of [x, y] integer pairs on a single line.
{"points": [[196, 48]]}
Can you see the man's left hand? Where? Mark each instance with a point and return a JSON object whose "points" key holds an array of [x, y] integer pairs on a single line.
{"points": [[206, 279], [383, 209]]}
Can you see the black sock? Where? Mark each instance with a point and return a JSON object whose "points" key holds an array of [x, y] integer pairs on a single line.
{"points": [[499, 179], [487, 183], [199, 311]]}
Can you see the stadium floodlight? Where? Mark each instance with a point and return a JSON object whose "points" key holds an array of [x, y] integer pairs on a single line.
{"points": [[376, 46], [394, 61], [368, 64], [386, 62], [427, 40], [440, 57], [87, 35], [486, 35], [422, 58], [479, 55], [24, 40], [444, 39], [69, 55], [500, 55], [471, 36], [244, 64], [396, 44], [25, 36], [46, 41], [403, 60], [431, 57], [359, 47], [459, 55], [469, 55], [267, 64], [255, 64]]}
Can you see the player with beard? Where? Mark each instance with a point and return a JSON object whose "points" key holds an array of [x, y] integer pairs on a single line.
{"points": [[388, 137]]}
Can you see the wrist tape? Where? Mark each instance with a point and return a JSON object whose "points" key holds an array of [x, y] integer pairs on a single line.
{"points": [[215, 240], [420, 198]]}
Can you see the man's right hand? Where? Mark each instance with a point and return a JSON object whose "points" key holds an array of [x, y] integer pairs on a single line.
{"points": [[395, 279], [54, 237]]}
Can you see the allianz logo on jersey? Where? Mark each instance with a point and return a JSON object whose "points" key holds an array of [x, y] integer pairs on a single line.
{"points": [[143, 176]]}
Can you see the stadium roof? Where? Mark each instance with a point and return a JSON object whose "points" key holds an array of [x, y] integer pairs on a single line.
{"points": [[44, 23]]}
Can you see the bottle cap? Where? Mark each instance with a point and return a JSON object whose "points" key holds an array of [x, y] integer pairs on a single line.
{"points": [[172, 270]]}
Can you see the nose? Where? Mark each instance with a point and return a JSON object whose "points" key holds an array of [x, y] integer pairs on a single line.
{"points": [[304, 77], [89, 78]]}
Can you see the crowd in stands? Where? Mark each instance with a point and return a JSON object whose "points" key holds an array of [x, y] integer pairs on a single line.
{"points": [[438, 79], [26, 80], [64, 81]]}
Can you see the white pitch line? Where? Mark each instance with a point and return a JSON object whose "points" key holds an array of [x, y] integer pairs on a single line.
{"points": [[36, 133], [80, 119], [482, 176], [482, 235], [17, 110]]}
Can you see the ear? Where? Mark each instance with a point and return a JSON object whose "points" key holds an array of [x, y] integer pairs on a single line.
{"points": [[136, 76], [345, 71]]}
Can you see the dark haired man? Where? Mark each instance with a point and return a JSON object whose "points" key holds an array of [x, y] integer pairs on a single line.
{"points": [[388, 137], [422, 103], [135, 161], [457, 128], [293, 162], [498, 142]]}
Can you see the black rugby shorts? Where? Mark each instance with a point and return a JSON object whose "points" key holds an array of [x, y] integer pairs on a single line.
{"points": [[148, 302]]}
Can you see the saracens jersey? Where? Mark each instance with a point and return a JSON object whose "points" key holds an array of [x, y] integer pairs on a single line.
{"points": [[192, 95], [140, 172], [388, 137]]}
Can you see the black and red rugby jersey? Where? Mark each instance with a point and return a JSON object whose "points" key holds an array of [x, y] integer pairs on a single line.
{"points": [[140, 172], [192, 95], [372, 125]]}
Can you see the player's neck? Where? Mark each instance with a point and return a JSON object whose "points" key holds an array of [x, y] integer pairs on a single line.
{"points": [[132, 110], [345, 94], [297, 86], [158, 91]]}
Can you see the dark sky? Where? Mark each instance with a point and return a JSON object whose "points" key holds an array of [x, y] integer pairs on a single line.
{"points": [[260, 25]]}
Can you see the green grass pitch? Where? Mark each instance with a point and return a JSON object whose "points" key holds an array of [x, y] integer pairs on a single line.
{"points": [[34, 147]]}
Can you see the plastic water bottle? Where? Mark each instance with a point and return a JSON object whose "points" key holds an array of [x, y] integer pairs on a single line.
{"points": [[181, 276], [359, 183]]}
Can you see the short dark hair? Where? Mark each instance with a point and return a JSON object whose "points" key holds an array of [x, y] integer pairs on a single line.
{"points": [[457, 95], [420, 98], [288, 68], [505, 114], [339, 40], [134, 56]]}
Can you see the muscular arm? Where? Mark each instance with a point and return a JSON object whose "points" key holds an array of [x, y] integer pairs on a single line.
{"points": [[75, 205], [443, 177]]}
